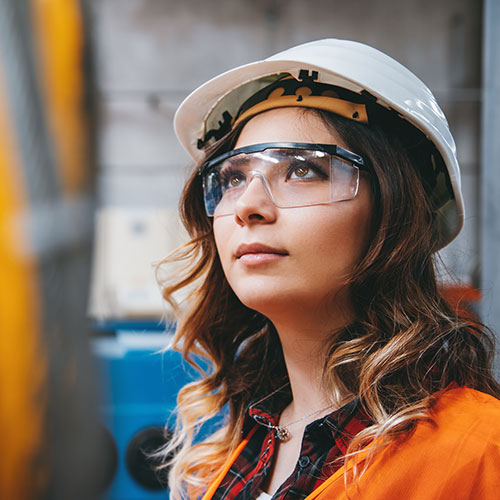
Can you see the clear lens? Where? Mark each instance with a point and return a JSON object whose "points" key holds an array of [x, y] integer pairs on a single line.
{"points": [[291, 178]]}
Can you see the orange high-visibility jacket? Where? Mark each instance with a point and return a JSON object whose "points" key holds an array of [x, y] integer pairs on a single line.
{"points": [[454, 457]]}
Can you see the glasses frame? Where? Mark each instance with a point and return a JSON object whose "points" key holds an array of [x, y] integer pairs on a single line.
{"points": [[331, 149]]}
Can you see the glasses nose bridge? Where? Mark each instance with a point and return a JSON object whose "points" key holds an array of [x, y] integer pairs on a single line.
{"points": [[252, 174]]}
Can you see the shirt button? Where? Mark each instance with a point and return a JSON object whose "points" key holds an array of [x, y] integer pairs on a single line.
{"points": [[304, 462]]}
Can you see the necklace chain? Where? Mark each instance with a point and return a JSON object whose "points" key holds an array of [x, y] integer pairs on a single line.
{"points": [[281, 431], [269, 395]]}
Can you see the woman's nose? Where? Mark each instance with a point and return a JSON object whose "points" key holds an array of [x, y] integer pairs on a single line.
{"points": [[255, 203]]}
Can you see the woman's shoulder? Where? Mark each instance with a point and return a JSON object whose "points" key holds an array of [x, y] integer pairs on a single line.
{"points": [[457, 396], [461, 412], [457, 449], [463, 423], [453, 454]]}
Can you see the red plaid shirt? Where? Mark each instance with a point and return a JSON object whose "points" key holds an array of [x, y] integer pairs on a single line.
{"points": [[325, 440]]}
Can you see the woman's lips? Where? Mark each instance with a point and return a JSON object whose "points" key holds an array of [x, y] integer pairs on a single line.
{"points": [[258, 253]]}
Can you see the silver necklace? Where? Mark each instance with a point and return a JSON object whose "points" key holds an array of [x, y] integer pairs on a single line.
{"points": [[281, 431]]}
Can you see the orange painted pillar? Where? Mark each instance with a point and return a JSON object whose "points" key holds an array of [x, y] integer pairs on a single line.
{"points": [[22, 358]]}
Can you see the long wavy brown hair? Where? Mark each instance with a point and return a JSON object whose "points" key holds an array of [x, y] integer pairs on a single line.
{"points": [[405, 345]]}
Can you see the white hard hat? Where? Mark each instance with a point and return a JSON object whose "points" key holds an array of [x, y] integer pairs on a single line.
{"points": [[345, 64]]}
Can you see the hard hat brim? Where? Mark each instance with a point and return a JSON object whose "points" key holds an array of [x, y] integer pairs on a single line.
{"points": [[346, 64]]}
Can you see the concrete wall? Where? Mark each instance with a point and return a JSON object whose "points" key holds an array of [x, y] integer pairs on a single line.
{"points": [[490, 179], [151, 53]]}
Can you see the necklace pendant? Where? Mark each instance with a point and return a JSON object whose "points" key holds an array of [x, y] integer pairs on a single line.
{"points": [[282, 433]]}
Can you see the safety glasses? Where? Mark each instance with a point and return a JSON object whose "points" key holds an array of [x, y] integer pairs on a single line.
{"points": [[292, 175]]}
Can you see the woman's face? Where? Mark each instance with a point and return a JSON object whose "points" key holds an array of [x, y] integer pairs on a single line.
{"points": [[296, 260]]}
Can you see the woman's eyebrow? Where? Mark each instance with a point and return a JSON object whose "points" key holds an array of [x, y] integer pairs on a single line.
{"points": [[237, 161], [245, 159]]}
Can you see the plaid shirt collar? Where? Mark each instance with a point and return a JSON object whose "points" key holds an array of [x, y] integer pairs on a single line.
{"points": [[325, 442], [267, 410]]}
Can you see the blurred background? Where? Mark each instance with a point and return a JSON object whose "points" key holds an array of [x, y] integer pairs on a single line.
{"points": [[90, 175]]}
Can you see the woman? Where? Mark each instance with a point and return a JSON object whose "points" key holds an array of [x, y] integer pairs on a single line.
{"points": [[326, 181]]}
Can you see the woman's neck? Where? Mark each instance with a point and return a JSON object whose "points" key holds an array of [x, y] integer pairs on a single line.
{"points": [[304, 345]]}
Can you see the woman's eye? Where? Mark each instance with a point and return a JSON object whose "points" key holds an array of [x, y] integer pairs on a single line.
{"points": [[305, 172], [231, 179], [300, 171], [235, 180]]}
